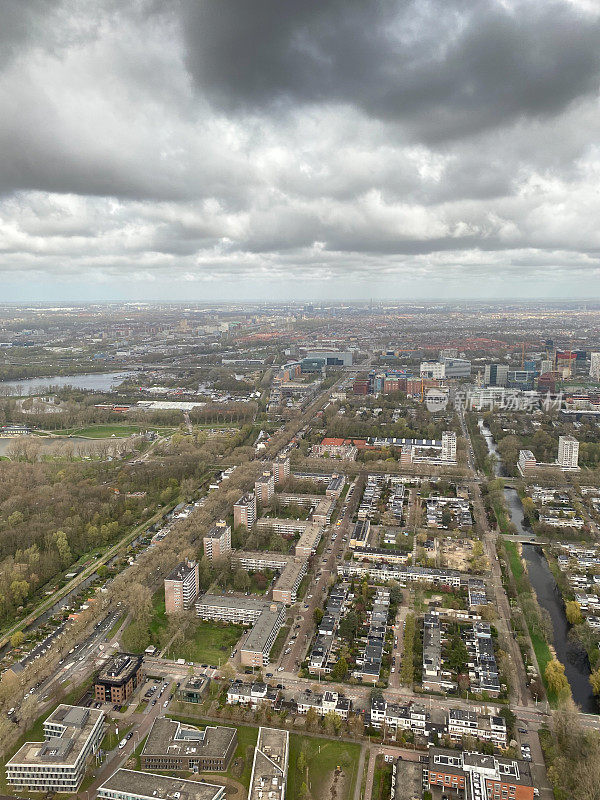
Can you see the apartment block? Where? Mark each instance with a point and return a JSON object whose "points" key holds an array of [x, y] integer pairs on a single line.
{"points": [[244, 511], [568, 453], [281, 469], [264, 488], [217, 542], [181, 587]]}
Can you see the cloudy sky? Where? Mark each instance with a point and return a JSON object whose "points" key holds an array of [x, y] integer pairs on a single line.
{"points": [[217, 149]]}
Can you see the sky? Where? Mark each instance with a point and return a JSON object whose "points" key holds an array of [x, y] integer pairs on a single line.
{"points": [[299, 149]]}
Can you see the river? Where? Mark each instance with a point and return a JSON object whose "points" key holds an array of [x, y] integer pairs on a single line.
{"points": [[92, 381], [572, 655]]}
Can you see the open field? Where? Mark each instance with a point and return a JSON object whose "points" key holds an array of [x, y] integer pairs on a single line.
{"points": [[323, 756], [104, 431]]}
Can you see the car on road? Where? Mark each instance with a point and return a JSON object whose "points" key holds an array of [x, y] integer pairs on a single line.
{"points": [[522, 730]]}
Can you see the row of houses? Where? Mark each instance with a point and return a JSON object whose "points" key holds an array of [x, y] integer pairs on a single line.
{"points": [[320, 654], [458, 722], [368, 664]]}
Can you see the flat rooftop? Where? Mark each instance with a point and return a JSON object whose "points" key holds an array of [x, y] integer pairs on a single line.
{"points": [[120, 668], [159, 787], [168, 737], [64, 749]]}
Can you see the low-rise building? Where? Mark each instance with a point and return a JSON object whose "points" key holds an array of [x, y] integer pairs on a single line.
{"points": [[474, 775], [486, 727], [253, 694], [323, 704], [174, 747], [270, 765], [193, 689], [71, 737], [128, 784]]}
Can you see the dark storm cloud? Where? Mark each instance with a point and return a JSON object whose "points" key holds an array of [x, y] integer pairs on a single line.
{"points": [[444, 68]]}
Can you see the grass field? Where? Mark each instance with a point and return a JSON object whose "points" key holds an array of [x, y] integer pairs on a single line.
{"points": [[205, 642], [104, 431], [210, 643], [323, 756], [516, 565]]}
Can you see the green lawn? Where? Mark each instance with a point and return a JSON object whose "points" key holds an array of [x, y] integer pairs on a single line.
{"points": [[516, 565], [103, 431], [210, 643], [205, 642], [323, 756]]}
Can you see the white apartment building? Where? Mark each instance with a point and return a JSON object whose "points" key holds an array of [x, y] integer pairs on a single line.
{"points": [[568, 452], [595, 366], [58, 764], [449, 446]]}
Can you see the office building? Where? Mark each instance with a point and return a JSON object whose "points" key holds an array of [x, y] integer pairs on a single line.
{"points": [[72, 735], [128, 784], [244, 511], [119, 678], [449, 446], [595, 366], [496, 374], [456, 367], [433, 369], [172, 746], [332, 358], [281, 469], [568, 452], [270, 765], [182, 586], [217, 542], [264, 488]]}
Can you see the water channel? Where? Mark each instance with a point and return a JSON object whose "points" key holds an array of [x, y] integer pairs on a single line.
{"points": [[572, 655]]}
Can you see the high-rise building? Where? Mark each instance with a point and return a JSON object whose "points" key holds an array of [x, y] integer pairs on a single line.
{"points": [[547, 365], [595, 366], [496, 374], [217, 542], [181, 587], [568, 452], [264, 488], [244, 511], [449, 446], [281, 469]]}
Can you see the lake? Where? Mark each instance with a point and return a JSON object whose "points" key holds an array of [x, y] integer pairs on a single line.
{"points": [[92, 381]]}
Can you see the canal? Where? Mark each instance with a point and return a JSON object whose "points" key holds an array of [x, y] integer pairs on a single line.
{"points": [[569, 653]]}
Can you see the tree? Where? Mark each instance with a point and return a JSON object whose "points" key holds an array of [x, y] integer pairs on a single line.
{"points": [[340, 670], [595, 681], [573, 612], [555, 677], [318, 615], [17, 639]]}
